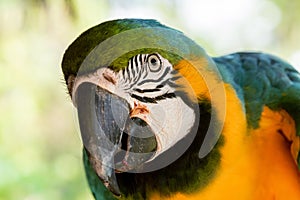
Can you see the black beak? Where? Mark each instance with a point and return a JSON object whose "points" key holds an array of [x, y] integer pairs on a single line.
{"points": [[114, 141]]}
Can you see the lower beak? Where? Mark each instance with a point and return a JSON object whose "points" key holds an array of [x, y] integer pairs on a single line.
{"points": [[113, 140]]}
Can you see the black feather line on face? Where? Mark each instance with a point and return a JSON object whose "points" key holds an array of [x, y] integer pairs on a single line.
{"points": [[155, 81], [146, 90], [154, 99]]}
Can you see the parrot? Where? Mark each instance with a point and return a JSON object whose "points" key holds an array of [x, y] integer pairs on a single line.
{"points": [[161, 119]]}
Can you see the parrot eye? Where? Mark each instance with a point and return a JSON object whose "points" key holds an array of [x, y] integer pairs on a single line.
{"points": [[154, 63]]}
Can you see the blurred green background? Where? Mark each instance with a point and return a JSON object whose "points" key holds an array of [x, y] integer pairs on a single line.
{"points": [[40, 147]]}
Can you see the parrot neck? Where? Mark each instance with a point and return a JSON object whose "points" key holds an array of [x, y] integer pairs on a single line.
{"points": [[186, 175]]}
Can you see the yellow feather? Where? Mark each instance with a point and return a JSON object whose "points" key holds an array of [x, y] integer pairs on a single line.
{"points": [[256, 164]]}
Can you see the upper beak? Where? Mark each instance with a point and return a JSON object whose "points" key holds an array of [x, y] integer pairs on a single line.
{"points": [[113, 140]]}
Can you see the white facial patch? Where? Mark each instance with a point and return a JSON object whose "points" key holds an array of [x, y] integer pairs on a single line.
{"points": [[171, 120]]}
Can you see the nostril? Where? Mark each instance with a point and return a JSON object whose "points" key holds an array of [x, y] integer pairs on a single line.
{"points": [[109, 78]]}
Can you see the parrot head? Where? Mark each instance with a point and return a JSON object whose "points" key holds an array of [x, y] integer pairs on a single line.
{"points": [[136, 85]]}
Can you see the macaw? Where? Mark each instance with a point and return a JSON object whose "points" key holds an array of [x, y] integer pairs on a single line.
{"points": [[161, 119]]}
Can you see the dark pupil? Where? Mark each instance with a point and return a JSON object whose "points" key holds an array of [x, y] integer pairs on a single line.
{"points": [[153, 61]]}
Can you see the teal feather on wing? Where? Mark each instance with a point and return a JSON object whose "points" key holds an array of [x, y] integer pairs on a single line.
{"points": [[262, 79]]}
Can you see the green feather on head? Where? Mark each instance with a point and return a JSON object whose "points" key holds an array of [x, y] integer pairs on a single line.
{"points": [[120, 40]]}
